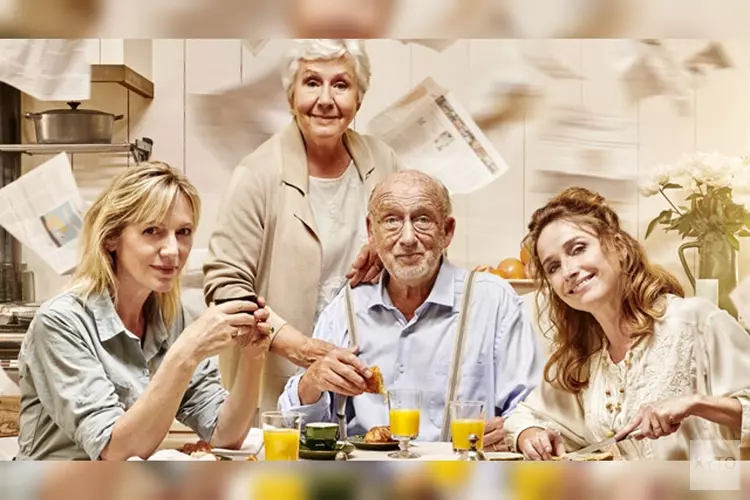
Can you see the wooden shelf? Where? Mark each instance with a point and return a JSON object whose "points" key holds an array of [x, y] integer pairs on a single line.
{"points": [[123, 75], [523, 282], [523, 286]]}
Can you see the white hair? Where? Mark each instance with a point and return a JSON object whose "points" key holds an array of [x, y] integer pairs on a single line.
{"points": [[316, 49]]}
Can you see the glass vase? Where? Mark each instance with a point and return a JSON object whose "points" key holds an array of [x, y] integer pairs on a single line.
{"points": [[717, 259]]}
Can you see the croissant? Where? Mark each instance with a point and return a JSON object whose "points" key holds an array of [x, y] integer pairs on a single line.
{"points": [[375, 384], [380, 434]]}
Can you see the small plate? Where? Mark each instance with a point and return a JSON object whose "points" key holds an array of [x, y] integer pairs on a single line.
{"points": [[307, 454], [359, 442], [241, 453], [501, 456]]}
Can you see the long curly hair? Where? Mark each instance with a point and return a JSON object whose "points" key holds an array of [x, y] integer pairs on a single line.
{"points": [[576, 335]]}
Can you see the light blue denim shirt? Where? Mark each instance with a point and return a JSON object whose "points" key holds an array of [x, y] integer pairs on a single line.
{"points": [[502, 359], [80, 370]]}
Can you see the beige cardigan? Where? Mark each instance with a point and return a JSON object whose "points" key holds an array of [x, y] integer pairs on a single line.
{"points": [[265, 240]]}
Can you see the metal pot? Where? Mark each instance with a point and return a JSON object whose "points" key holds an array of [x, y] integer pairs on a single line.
{"points": [[73, 126]]}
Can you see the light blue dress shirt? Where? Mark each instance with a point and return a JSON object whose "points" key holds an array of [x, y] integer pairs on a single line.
{"points": [[502, 359]]}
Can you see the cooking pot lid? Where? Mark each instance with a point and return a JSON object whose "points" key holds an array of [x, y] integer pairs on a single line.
{"points": [[73, 109]]}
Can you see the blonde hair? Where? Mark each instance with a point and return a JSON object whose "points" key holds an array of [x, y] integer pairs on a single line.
{"points": [[576, 334], [317, 49], [141, 193]]}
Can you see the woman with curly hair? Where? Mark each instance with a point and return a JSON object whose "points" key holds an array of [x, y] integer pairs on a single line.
{"points": [[629, 355]]}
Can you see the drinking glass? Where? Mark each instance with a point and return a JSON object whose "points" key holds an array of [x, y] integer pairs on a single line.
{"points": [[281, 434], [403, 409], [467, 418]]}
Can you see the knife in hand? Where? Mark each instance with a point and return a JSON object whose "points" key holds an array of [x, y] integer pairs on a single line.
{"points": [[603, 444]]}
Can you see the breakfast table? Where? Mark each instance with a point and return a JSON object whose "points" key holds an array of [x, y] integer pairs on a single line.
{"points": [[175, 440], [427, 451]]}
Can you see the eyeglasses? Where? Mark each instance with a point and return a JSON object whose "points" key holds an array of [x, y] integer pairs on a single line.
{"points": [[396, 223]]}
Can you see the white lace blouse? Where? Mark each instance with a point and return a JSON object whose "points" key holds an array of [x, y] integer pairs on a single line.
{"points": [[696, 348]]}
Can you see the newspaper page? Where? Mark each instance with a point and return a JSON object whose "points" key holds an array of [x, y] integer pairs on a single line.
{"points": [[235, 121], [48, 70], [432, 132], [647, 68], [44, 210], [577, 141]]}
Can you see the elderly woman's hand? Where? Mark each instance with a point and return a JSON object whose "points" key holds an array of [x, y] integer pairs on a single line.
{"points": [[255, 341], [366, 268]]}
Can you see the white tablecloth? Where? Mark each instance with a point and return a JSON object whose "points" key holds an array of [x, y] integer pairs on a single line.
{"points": [[427, 451]]}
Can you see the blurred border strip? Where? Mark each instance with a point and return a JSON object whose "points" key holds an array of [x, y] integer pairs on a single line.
{"points": [[438, 19]]}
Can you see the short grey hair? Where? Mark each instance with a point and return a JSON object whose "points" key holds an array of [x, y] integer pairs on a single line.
{"points": [[420, 176], [321, 49]]}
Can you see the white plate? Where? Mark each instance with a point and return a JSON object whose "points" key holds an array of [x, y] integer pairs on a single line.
{"points": [[503, 455], [241, 453]]}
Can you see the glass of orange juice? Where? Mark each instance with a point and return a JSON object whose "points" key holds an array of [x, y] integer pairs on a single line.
{"points": [[281, 434], [403, 410], [467, 418]]}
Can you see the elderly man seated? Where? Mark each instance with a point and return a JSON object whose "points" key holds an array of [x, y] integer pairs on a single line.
{"points": [[408, 323]]}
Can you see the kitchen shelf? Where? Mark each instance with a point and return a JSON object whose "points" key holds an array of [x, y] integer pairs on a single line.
{"points": [[523, 282], [522, 286], [140, 149], [123, 75]]}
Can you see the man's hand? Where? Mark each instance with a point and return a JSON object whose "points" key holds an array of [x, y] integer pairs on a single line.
{"points": [[339, 371], [366, 268], [495, 434]]}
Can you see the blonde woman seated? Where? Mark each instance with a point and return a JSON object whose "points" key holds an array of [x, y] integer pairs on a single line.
{"points": [[628, 352], [107, 365]]}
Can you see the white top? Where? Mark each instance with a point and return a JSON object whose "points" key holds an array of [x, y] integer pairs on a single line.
{"points": [[338, 206], [696, 348]]}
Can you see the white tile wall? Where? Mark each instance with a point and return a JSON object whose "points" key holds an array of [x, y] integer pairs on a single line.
{"points": [[491, 222]]}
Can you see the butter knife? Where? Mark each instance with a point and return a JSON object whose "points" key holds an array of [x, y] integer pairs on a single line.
{"points": [[603, 444]]}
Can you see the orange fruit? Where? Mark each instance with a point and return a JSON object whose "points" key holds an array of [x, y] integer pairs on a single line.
{"points": [[511, 268], [497, 272]]}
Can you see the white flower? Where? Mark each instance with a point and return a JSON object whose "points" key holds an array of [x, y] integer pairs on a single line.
{"points": [[712, 169], [648, 187], [708, 169], [662, 174], [651, 182]]}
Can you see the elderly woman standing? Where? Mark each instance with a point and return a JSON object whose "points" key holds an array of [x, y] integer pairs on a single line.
{"points": [[292, 223], [107, 365]]}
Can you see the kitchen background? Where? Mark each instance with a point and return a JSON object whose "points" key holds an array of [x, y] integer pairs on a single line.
{"points": [[492, 221]]}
